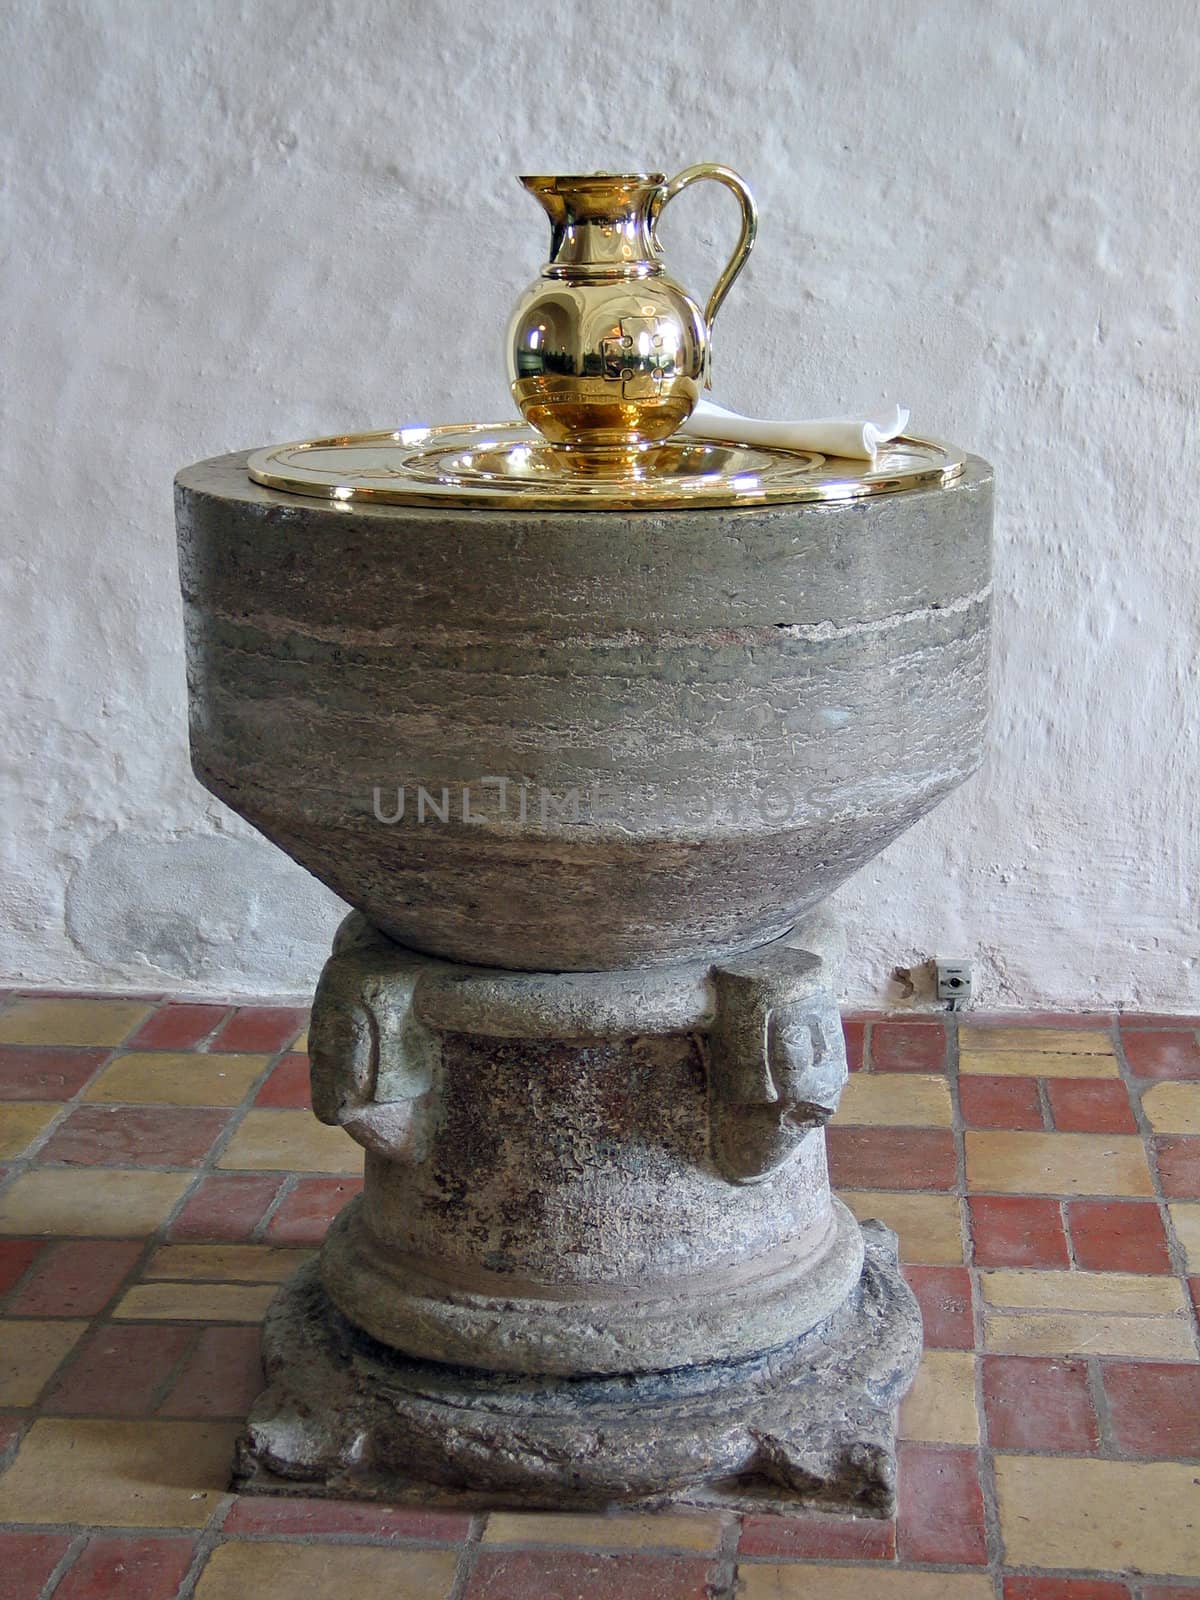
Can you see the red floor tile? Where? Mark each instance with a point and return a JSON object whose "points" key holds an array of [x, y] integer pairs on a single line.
{"points": [[46, 1074], [261, 1028], [179, 1026], [891, 1158], [135, 1136], [944, 1295], [16, 1256], [855, 1033], [908, 1047], [27, 1560], [1063, 1589], [1155, 1407], [1039, 1403], [75, 1278], [288, 1084], [989, 1102], [576, 1575], [222, 1376], [128, 1567], [226, 1208], [119, 1371], [941, 1506], [1118, 1236], [1177, 1157], [1090, 1105], [306, 1213], [287, 1518], [1168, 1053], [1017, 1231], [819, 1538], [1170, 1591]]}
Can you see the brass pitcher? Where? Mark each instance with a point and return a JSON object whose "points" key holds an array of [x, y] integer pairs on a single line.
{"points": [[607, 353]]}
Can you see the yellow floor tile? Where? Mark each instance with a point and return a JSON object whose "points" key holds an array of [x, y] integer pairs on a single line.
{"points": [[225, 1263], [895, 1099], [1186, 1218], [291, 1141], [1055, 1041], [1057, 1163], [769, 1580], [29, 1356], [274, 1570], [118, 1474], [68, 1021], [195, 1302], [1107, 1515], [940, 1407], [628, 1531], [1124, 1292], [929, 1226], [1032, 1333], [20, 1123], [299, 1045], [116, 1203], [1173, 1107], [1028, 1064], [169, 1079]]}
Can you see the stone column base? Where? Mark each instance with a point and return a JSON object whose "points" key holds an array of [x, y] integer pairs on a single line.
{"points": [[809, 1425]]}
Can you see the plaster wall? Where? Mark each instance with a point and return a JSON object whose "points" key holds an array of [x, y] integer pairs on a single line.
{"points": [[226, 224]]}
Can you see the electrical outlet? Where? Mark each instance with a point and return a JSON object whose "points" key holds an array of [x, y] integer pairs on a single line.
{"points": [[953, 983]]}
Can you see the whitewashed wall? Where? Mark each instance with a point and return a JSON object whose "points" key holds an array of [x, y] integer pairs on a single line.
{"points": [[226, 224]]}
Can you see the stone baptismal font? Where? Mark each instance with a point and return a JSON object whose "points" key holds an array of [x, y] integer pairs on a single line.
{"points": [[586, 716]]}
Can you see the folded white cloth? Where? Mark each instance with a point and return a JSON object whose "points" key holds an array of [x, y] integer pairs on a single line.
{"points": [[831, 436]]}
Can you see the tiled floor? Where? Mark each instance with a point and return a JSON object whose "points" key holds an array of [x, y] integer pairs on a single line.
{"points": [[160, 1174]]}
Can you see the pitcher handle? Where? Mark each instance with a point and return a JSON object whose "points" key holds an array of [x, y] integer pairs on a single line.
{"points": [[745, 244]]}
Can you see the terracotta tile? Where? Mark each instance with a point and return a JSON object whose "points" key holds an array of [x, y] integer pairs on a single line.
{"points": [[779, 1581], [16, 1256], [96, 1204], [549, 1575], [1158, 1020], [1016, 1231], [222, 1376], [30, 1354], [895, 1101], [257, 1028], [1057, 1163], [1118, 1235], [940, 1406], [1169, 1591], [1042, 1333], [305, 1214], [1039, 1403], [269, 1570], [1090, 1105], [885, 1158], [1103, 1515], [178, 1026], [1000, 1102], [1063, 1589], [46, 1020], [195, 1302], [123, 1136], [288, 1085], [27, 1560], [940, 1517], [623, 1531], [945, 1298], [928, 1226], [1178, 1162], [21, 1122], [818, 1538], [290, 1141], [317, 1518], [1171, 1053], [118, 1474], [1173, 1107], [1155, 1407], [1123, 1293], [43, 1074], [112, 1567], [118, 1371], [226, 1207], [75, 1278], [1185, 1219], [1022, 1040], [908, 1047], [855, 1035], [224, 1263], [176, 1079]]}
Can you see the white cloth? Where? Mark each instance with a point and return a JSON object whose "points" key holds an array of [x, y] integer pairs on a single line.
{"points": [[831, 436]]}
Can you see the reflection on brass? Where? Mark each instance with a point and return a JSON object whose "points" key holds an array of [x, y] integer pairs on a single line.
{"points": [[607, 353], [507, 464]]}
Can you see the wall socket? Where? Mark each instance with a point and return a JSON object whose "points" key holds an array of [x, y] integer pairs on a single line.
{"points": [[953, 983]]}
